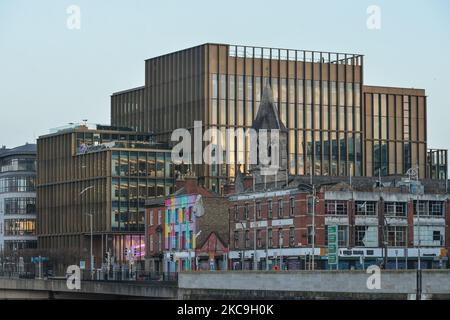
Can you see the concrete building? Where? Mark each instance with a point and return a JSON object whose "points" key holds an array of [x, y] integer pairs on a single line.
{"points": [[188, 230], [336, 124], [18, 199], [97, 178]]}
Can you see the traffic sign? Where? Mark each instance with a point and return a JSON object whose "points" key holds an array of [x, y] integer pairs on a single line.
{"points": [[332, 244], [39, 259]]}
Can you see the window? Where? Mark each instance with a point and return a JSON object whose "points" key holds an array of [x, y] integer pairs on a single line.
{"points": [[159, 241], [436, 208], [292, 207], [151, 218], [429, 208], [280, 237], [395, 209], [270, 210], [366, 208], [17, 184], [342, 236], [430, 235], [258, 209], [310, 200], [177, 240], [20, 227], [247, 239], [436, 235], [19, 205], [258, 237], [159, 217], [310, 235], [270, 238], [280, 208], [236, 239], [366, 236], [396, 236], [191, 213], [236, 212], [292, 236], [336, 207], [151, 243], [246, 211], [18, 164]]}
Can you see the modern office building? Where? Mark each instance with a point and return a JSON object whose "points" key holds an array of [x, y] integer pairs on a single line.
{"points": [[337, 125], [18, 198], [437, 164], [99, 174]]}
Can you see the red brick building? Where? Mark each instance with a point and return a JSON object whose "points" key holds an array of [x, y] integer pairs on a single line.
{"points": [[187, 230], [376, 225]]}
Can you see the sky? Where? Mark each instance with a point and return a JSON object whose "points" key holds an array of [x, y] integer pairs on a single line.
{"points": [[51, 75]]}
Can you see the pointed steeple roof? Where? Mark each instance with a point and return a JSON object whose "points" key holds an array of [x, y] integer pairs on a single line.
{"points": [[267, 116], [239, 181]]}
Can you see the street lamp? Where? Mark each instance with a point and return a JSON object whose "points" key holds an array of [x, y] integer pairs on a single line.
{"points": [[92, 256], [91, 231], [414, 173], [194, 239]]}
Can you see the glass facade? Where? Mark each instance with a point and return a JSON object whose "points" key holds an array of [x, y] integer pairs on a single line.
{"points": [[395, 133], [17, 184], [137, 176], [18, 164], [20, 227], [26, 205], [18, 198], [437, 164], [324, 136]]}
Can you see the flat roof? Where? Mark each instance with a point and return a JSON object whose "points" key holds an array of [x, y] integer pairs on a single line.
{"points": [[393, 90], [245, 47]]}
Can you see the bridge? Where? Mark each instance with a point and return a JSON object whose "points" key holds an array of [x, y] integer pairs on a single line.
{"points": [[401, 284]]}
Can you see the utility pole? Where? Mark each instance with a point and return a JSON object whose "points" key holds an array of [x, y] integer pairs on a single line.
{"points": [[91, 245]]}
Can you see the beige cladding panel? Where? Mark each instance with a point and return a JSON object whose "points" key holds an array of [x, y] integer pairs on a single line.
{"points": [[248, 66], [274, 68], [292, 70], [223, 53], [231, 64]]}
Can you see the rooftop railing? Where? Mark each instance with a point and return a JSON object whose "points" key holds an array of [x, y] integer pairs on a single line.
{"points": [[295, 55]]}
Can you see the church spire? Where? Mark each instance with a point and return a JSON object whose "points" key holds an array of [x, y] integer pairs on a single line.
{"points": [[267, 116]]}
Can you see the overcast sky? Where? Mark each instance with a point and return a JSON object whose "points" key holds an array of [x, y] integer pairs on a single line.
{"points": [[51, 75]]}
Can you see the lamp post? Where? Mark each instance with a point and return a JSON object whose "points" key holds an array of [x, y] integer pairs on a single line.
{"points": [[313, 226], [194, 239], [255, 261], [91, 232], [414, 173], [91, 255]]}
